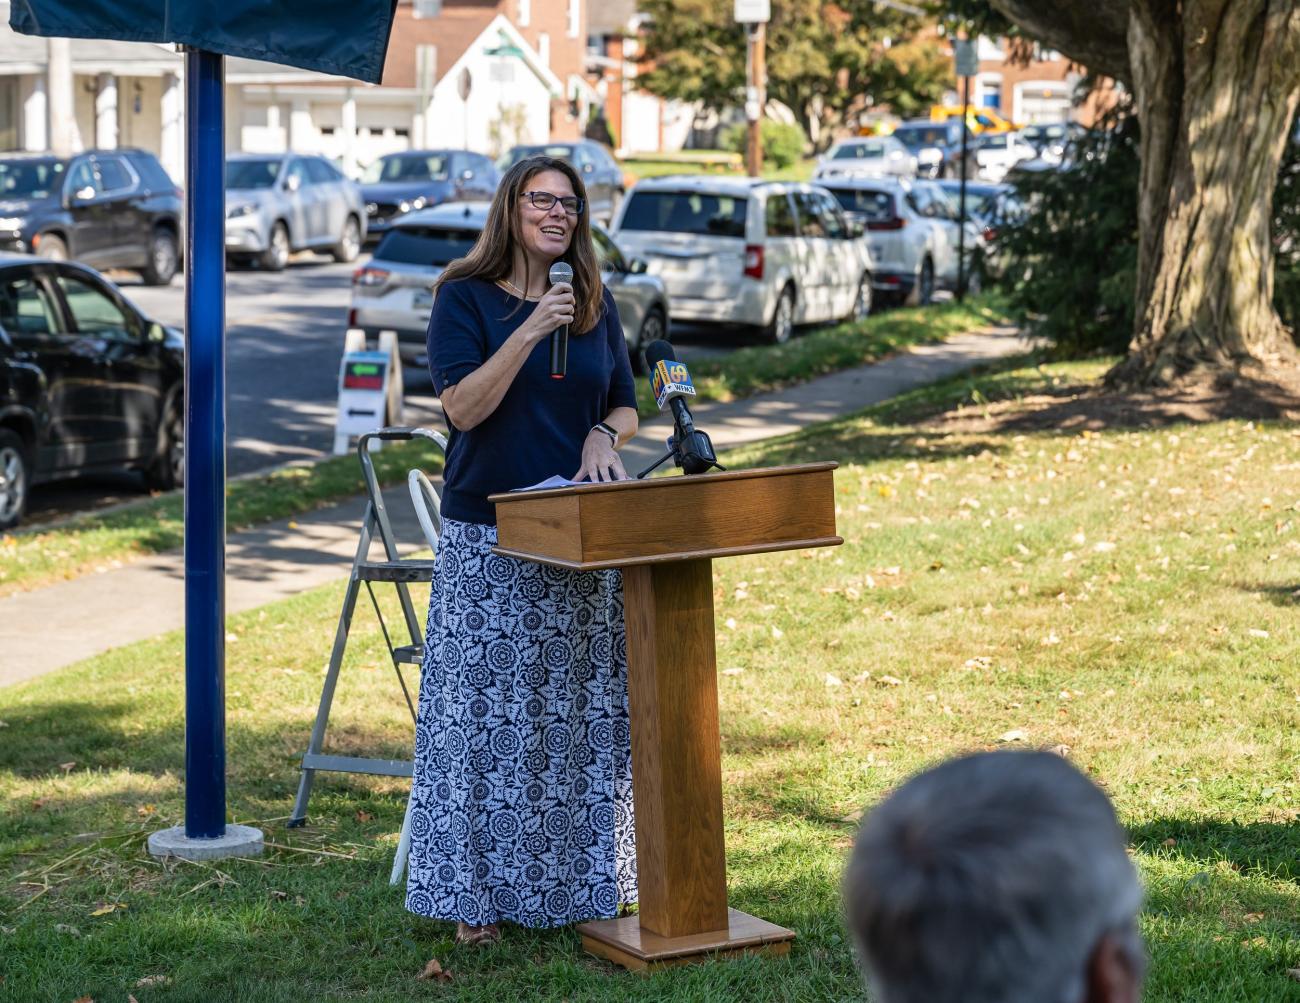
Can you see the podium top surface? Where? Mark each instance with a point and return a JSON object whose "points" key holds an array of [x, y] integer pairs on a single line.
{"points": [[614, 524]]}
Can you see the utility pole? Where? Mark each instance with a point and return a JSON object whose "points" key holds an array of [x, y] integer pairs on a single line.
{"points": [[754, 15], [967, 65], [755, 95]]}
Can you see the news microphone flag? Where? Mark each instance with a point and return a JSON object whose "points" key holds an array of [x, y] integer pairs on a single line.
{"points": [[668, 379]]}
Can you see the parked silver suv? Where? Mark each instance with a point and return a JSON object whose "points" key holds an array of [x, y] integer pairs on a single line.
{"points": [[393, 291], [280, 203]]}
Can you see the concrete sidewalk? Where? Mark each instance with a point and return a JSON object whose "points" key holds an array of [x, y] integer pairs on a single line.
{"points": [[49, 628]]}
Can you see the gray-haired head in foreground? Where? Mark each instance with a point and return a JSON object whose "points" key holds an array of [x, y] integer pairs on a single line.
{"points": [[990, 879]]}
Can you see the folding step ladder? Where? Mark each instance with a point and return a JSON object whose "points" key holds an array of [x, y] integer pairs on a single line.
{"points": [[399, 573]]}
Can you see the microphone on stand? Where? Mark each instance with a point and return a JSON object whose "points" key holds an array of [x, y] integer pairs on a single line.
{"points": [[671, 382], [560, 272]]}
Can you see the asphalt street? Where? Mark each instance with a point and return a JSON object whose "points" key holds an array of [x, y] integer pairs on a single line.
{"points": [[284, 336]]}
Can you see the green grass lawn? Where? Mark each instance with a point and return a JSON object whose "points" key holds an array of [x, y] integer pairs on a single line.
{"points": [[1129, 597], [32, 559]]}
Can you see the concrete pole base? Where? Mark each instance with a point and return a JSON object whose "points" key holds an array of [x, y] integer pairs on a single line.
{"points": [[239, 841]]}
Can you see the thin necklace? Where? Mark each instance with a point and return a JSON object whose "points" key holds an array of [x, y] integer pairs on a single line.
{"points": [[514, 289]]}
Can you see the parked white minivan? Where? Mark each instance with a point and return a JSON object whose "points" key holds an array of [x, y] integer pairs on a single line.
{"points": [[770, 254]]}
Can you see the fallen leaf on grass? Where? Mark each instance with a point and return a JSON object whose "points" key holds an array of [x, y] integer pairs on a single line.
{"points": [[277, 895], [891, 681], [84, 999], [1051, 638], [1061, 750], [1014, 735], [153, 980], [145, 810], [65, 767], [434, 971], [1170, 843], [833, 680], [777, 633], [1256, 632], [1253, 917], [365, 816], [733, 671], [729, 623], [130, 998], [106, 908], [67, 928], [1294, 973], [979, 662]]}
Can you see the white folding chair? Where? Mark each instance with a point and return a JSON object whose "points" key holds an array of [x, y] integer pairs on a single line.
{"points": [[425, 501]]}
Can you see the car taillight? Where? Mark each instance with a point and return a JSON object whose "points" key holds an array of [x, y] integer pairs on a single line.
{"points": [[893, 223], [370, 278], [754, 261], [990, 233]]}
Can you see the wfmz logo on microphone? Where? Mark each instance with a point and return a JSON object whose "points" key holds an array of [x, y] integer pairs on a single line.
{"points": [[670, 378]]}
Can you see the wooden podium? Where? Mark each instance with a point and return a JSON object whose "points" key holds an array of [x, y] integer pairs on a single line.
{"points": [[664, 534]]}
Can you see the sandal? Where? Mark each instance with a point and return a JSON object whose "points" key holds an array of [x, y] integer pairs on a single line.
{"points": [[477, 936]]}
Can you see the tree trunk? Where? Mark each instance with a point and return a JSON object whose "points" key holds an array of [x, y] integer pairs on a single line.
{"points": [[1215, 83]]}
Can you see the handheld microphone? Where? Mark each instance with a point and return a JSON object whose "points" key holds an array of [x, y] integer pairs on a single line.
{"points": [[560, 272], [671, 382]]}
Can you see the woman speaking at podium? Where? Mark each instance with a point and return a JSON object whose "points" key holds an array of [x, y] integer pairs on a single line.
{"points": [[522, 794]]}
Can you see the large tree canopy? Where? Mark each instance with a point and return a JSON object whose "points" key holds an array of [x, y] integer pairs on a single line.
{"points": [[1215, 84], [825, 61]]}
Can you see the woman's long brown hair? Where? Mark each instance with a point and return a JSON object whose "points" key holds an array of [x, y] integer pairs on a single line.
{"points": [[492, 256]]}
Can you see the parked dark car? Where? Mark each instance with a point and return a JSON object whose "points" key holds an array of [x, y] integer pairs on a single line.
{"points": [[87, 382], [600, 171], [107, 208], [406, 182]]}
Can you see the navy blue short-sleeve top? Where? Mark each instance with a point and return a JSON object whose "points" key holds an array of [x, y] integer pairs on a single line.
{"points": [[538, 429]]}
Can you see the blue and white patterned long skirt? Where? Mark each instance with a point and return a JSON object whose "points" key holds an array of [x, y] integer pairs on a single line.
{"points": [[522, 796]]}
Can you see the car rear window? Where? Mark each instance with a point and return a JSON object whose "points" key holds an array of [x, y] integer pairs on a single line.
{"points": [[425, 245], [858, 151], [873, 206], [922, 135], [686, 212]]}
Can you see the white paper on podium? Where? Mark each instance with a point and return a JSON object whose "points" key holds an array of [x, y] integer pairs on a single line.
{"points": [[551, 482]]}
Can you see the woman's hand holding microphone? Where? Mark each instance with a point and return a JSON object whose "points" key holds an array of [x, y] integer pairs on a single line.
{"points": [[554, 309]]}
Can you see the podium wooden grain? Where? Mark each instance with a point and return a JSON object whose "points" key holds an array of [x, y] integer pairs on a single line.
{"points": [[664, 534]]}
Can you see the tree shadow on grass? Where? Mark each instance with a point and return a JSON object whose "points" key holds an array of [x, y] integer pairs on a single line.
{"points": [[1271, 849], [1278, 595]]}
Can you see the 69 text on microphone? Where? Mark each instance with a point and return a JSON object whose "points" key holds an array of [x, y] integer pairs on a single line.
{"points": [[670, 380]]}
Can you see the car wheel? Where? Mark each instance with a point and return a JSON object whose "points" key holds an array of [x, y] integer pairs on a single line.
{"points": [[51, 247], [276, 255], [781, 327], [349, 245], [862, 301], [924, 292], [168, 468], [653, 328], [160, 269], [14, 478]]}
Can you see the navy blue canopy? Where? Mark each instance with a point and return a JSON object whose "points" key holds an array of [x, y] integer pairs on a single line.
{"points": [[345, 37]]}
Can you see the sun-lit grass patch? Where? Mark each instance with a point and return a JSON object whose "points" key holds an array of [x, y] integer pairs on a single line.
{"points": [[1126, 597]]}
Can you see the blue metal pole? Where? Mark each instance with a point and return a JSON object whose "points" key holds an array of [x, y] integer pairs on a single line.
{"points": [[205, 446]]}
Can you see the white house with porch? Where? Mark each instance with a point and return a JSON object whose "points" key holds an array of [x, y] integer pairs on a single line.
{"points": [[479, 86]]}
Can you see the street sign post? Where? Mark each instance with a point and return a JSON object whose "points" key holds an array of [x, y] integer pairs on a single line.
{"points": [[967, 65]]}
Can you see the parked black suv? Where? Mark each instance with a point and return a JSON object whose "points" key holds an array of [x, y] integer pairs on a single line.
{"points": [[108, 208], [87, 383]]}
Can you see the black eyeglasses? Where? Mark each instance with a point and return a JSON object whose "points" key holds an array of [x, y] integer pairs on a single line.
{"points": [[546, 202]]}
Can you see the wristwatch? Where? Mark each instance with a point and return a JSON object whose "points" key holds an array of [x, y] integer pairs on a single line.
{"points": [[609, 430]]}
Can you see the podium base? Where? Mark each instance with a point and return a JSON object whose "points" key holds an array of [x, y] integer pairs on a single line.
{"points": [[623, 942]]}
